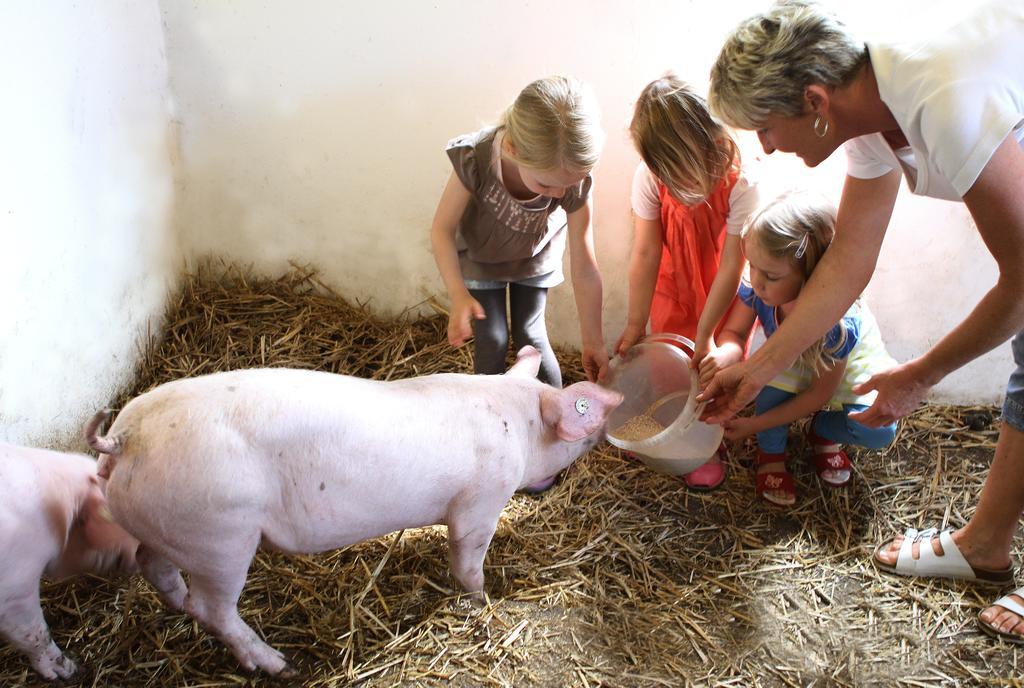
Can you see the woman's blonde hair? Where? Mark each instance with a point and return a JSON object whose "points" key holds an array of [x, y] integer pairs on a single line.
{"points": [[554, 124], [770, 59], [799, 226], [682, 144]]}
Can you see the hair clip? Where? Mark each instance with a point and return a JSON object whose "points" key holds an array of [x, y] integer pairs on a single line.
{"points": [[801, 249]]}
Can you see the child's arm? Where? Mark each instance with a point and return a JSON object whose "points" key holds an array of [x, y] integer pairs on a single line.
{"points": [[731, 342], [586, 287], [723, 289], [454, 200], [823, 386], [644, 260]]}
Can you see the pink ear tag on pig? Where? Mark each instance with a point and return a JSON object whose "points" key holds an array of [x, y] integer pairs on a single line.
{"points": [[582, 405]]}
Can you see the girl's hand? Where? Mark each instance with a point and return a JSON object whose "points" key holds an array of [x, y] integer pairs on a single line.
{"points": [[595, 362], [464, 309], [715, 360], [738, 428], [630, 336], [702, 346], [900, 391]]}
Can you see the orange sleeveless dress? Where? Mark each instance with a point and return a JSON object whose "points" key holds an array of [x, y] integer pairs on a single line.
{"points": [[692, 241]]}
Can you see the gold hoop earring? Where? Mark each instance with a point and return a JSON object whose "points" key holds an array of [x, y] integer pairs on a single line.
{"points": [[818, 131]]}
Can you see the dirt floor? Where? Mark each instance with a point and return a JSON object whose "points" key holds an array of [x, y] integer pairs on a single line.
{"points": [[618, 576]]}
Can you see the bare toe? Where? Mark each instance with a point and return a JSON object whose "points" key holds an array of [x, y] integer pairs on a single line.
{"points": [[1004, 620], [888, 555], [780, 497], [1007, 621], [836, 477]]}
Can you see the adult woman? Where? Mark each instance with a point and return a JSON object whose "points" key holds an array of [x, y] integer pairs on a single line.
{"points": [[946, 113]]}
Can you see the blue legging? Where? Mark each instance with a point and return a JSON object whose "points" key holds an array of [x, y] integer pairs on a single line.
{"points": [[830, 425]]}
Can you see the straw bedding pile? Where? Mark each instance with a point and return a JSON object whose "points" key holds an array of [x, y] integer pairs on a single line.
{"points": [[616, 577]]}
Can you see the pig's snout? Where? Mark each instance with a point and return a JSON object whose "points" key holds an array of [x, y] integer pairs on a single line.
{"points": [[120, 557], [113, 563]]}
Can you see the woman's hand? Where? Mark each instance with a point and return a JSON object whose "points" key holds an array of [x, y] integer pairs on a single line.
{"points": [[460, 328], [729, 391], [900, 391], [595, 362], [738, 428]]}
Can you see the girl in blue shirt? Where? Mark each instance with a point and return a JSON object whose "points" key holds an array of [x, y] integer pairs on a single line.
{"points": [[782, 244]]}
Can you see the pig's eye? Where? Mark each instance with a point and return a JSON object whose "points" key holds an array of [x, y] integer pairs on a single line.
{"points": [[582, 405]]}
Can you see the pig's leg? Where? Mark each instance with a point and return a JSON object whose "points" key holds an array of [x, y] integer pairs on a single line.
{"points": [[23, 625], [216, 580], [164, 576], [471, 526]]}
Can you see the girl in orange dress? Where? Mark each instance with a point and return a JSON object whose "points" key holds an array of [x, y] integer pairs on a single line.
{"points": [[690, 200]]}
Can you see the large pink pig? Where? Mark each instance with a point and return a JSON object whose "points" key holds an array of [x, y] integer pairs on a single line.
{"points": [[206, 470], [54, 521]]}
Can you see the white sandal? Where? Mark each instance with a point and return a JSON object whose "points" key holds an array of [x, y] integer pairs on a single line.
{"points": [[1008, 603], [951, 564]]}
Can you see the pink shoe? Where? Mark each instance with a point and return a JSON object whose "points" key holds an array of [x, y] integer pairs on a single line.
{"points": [[707, 477]]}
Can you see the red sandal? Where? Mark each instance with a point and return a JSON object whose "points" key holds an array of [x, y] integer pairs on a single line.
{"points": [[828, 456], [780, 481]]}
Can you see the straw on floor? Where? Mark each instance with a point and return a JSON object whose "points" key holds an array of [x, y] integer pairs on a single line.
{"points": [[616, 577]]}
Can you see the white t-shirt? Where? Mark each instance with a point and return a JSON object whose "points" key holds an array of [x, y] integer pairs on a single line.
{"points": [[955, 95], [646, 201]]}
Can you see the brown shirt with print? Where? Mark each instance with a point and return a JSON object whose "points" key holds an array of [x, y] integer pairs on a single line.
{"points": [[500, 238]]}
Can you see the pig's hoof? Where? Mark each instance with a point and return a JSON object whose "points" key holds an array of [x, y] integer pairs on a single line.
{"points": [[51, 668], [288, 672], [175, 599], [259, 655]]}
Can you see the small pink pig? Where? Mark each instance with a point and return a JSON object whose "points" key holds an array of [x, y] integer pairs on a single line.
{"points": [[208, 469], [54, 522]]}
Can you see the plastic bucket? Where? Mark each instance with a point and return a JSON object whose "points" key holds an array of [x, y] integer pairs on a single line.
{"points": [[658, 385]]}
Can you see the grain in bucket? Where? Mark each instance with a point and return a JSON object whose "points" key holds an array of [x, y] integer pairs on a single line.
{"points": [[658, 419]]}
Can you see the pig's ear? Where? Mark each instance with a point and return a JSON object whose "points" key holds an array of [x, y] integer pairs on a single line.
{"points": [[527, 363], [577, 410], [98, 525]]}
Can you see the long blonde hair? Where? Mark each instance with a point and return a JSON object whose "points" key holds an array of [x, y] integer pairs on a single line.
{"points": [[798, 226], [682, 144], [553, 124]]}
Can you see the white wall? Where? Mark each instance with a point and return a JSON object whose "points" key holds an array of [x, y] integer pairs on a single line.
{"points": [[315, 131], [85, 199]]}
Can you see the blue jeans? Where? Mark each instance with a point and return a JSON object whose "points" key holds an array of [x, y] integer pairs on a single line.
{"points": [[1013, 407], [830, 425]]}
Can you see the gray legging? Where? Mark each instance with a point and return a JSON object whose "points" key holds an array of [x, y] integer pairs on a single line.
{"points": [[491, 335]]}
